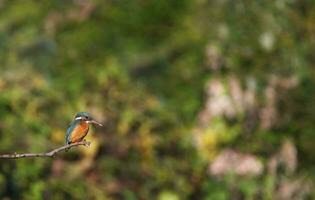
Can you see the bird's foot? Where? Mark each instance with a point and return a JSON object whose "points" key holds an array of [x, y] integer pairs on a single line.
{"points": [[86, 143]]}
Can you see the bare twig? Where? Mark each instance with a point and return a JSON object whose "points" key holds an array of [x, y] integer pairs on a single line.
{"points": [[48, 154]]}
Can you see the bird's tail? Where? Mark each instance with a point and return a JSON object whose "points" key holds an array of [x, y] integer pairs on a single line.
{"points": [[67, 149]]}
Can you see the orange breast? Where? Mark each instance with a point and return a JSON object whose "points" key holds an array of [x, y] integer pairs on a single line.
{"points": [[79, 132]]}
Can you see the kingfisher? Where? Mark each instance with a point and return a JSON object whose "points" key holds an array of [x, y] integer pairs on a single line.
{"points": [[79, 127]]}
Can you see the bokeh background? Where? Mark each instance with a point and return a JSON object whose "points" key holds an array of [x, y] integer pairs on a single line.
{"points": [[200, 99]]}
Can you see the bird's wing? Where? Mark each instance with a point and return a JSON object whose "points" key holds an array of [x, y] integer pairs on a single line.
{"points": [[70, 130]]}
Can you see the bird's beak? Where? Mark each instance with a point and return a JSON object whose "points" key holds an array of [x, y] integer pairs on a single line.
{"points": [[95, 122]]}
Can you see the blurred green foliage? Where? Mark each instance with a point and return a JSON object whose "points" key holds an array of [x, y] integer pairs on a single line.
{"points": [[144, 69]]}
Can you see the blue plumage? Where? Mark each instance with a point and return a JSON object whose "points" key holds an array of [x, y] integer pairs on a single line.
{"points": [[79, 127], [70, 129]]}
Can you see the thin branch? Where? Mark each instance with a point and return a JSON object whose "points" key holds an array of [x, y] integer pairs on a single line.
{"points": [[48, 154]]}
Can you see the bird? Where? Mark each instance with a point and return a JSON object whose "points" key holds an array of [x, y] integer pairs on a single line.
{"points": [[79, 127]]}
